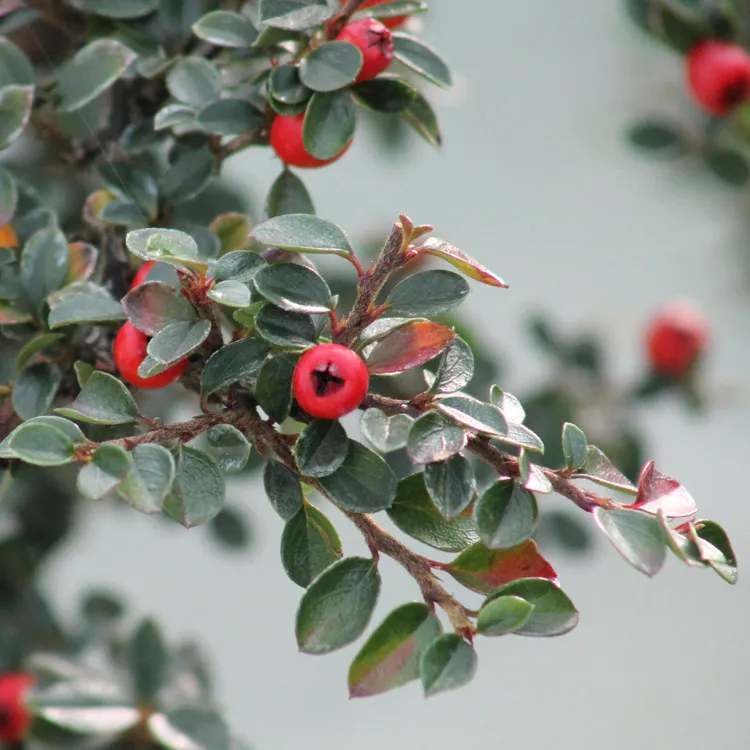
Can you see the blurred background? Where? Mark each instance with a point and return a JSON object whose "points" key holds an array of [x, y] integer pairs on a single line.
{"points": [[536, 180]]}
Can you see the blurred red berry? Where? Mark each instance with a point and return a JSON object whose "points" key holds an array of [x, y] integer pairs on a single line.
{"points": [[677, 338], [375, 43], [14, 718], [718, 76], [287, 142], [330, 381], [129, 353]]}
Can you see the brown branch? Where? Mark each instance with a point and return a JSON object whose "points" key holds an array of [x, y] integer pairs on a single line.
{"points": [[338, 23]]}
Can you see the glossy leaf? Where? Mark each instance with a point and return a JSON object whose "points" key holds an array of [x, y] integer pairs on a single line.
{"points": [[433, 438], [194, 81], [656, 491], [149, 479], [636, 536], [154, 305], [234, 362], [330, 121], [464, 263], [8, 198], [41, 444], [35, 345], [447, 663], [386, 434], [15, 67], [423, 120], [288, 195], [273, 388], [229, 117], [83, 302], [293, 287], [428, 293], [302, 233], [450, 484], [197, 494], [330, 66], [103, 400], [574, 445], [385, 94], [296, 15], [35, 389], [407, 347], [226, 29], [44, 263], [421, 58], [282, 489], [176, 342], [237, 265], [390, 656], [321, 448], [476, 415], [291, 330], [15, 111], [456, 368], [230, 293], [504, 615], [117, 9], [506, 514], [598, 468]]}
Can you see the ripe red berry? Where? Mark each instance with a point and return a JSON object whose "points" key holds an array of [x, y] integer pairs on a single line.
{"points": [[286, 141], [14, 718], [130, 351], [392, 23], [330, 381], [375, 43], [677, 338], [143, 271], [718, 76]]}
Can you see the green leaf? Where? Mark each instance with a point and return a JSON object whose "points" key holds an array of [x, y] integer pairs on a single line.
{"points": [[416, 515], [197, 494], [274, 387], [238, 265], [658, 137], [116, 8], [598, 468], [188, 176], [289, 330], [476, 415], [229, 117], [196, 727], [303, 233], [422, 118], [338, 605], [103, 400], [448, 663], [428, 294], [283, 489], [456, 368], [296, 15], [288, 195], [153, 306], [148, 660], [409, 346], [108, 467], [724, 564], [504, 615], [330, 121], [194, 81], [10, 315], [574, 445], [432, 439], [390, 656], [364, 483], [15, 110], [131, 184], [123, 213], [553, 614], [228, 447], [385, 94], [234, 362], [8, 196], [226, 29], [149, 479], [173, 344], [167, 245], [15, 67], [321, 448], [173, 115], [83, 302], [91, 71], [636, 535], [421, 58], [483, 570], [286, 87], [506, 514], [460, 260], [330, 66], [309, 544], [730, 166], [44, 263], [35, 389], [232, 229], [83, 371], [392, 9], [41, 444], [386, 434], [293, 287], [450, 484]]}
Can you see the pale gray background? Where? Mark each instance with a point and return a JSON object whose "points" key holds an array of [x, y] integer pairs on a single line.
{"points": [[536, 181]]}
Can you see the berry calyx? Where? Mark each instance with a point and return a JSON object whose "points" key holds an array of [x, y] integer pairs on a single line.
{"points": [[718, 75], [330, 381], [375, 43], [143, 271], [14, 718], [129, 353], [392, 23], [677, 338], [287, 142]]}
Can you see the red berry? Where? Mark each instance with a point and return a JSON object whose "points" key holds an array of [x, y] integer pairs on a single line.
{"points": [[330, 381], [375, 43], [14, 718], [130, 351], [718, 76], [286, 141], [143, 271], [677, 338], [392, 23]]}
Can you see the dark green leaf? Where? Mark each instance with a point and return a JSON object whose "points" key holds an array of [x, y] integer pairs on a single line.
{"points": [[226, 29], [194, 81], [197, 494], [330, 66], [289, 330], [8, 197], [230, 294], [656, 136], [364, 483], [390, 656], [416, 515], [321, 448], [448, 663], [386, 433], [636, 535], [283, 489], [153, 306], [15, 110], [296, 15], [35, 389], [288, 195], [116, 8], [423, 120], [131, 184], [309, 545], [504, 615], [285, 85], [293, 287], [165, 245], [428, 294], [338, 605], [83, 302], [106, 470], [450, 484], [506, 514], [303, 233], [188, 176], [456, 368], [421, 58], [15, 67], [598, 468], [432, 438], [330, 121], [476, 415], [173, 115], [41, 444], [148, 660], [384, 94], [274, 387], [149, 479], [103, 400], [173, 344], [574, 446], [234, 362], [229, 117], [44, 263], [724, 564], [238, 265], [228, 447]]}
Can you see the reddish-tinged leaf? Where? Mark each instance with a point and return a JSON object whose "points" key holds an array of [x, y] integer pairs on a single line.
{"points": [[82, 261], [8, 236], [459, 259], [10, 315], [95, 203], [409, 346], [656, 492], [483, 570]]}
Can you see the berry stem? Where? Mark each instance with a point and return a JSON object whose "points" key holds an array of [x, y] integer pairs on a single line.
{"points": [[338, 23]]}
